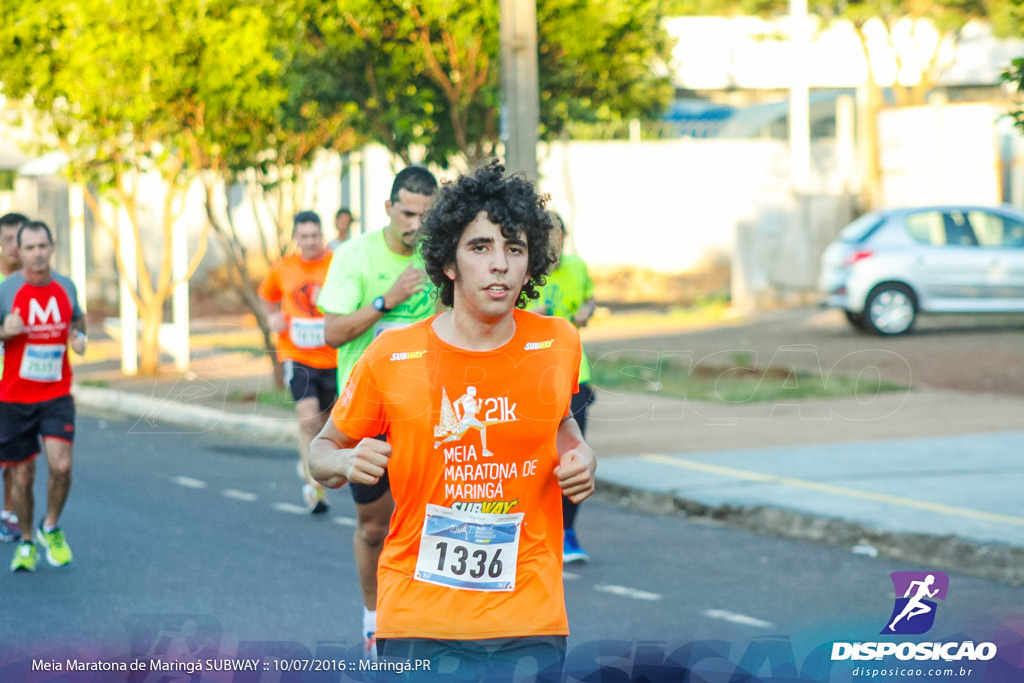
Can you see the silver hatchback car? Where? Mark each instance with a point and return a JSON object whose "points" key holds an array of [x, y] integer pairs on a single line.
{"points": [[888, 266]]}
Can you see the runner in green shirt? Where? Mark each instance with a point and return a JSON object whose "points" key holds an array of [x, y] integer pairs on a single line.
{"points": [[10, 262], [376, 281], [569, 293]]}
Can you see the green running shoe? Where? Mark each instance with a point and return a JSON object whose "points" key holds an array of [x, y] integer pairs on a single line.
{"points": [[25, 557], [316, 500], [58, 553]]}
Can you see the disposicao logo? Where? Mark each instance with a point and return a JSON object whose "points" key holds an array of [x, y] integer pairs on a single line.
{"points": [[914, 612]]}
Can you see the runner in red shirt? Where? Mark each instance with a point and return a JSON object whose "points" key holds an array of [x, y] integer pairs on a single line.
{"points": [[40, 314], [480, 445]]}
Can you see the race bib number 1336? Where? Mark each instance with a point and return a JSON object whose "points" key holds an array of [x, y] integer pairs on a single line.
{"points": [[467, 550]]}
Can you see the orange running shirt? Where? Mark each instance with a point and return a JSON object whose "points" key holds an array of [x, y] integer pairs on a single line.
{"points": [[475, 547], [295, 284]]}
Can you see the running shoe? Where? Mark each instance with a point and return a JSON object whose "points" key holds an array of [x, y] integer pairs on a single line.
{"points": [[58, 553], [316, 499], [571, 550], [25, 557], [9, 530]]}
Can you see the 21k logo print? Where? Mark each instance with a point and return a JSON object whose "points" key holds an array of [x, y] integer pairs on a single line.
{"points": [[914, 610]]}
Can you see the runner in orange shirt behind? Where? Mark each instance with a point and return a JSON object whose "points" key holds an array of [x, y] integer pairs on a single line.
{"points": [[481, 446], [289, 296]]}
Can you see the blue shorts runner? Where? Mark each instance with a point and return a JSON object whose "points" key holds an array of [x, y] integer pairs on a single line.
{"points": [[22, 425], [309, 382]]}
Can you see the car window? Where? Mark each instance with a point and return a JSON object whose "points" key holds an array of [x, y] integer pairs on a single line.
{"points": [[941, 228], [958, 230], [860, 229], [927, 227], [995, 230]]}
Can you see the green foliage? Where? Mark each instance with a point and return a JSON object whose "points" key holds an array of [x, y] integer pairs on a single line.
{"points": [[718, 8], [740, 382], [606, 73], [426, 75], [228, 84], [119, 83], [1013, 76]]}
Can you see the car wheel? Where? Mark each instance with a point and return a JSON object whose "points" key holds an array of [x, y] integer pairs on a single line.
{"points": [[890, 309], [855, 319]]}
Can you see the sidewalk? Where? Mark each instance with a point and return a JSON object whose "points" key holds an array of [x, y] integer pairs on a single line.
{"points": [[929, 477]]}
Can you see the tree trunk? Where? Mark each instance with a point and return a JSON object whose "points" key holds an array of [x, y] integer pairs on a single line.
{"points": [[241, 280], [151, 317], [872, 180]]}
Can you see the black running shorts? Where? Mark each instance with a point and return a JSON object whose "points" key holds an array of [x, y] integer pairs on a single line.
{"points": [[309, 382], [22, 424]]}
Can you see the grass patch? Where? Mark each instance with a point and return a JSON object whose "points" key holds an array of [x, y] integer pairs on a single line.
{"points": [[277, 398], [740, 381], [98, 383]]}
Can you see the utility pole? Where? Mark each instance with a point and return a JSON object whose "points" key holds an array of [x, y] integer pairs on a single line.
{"points": [[520, 109], [799, 100]]}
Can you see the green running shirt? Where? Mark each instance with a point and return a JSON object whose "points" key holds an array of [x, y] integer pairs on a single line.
{"points": [[362, 269], [567, 287]]}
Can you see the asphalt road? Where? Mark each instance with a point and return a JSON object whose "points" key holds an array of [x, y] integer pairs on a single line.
{"points": [[199, 539]]}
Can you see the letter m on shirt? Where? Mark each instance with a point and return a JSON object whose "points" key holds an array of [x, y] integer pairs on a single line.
{"points": [[39, 315]]}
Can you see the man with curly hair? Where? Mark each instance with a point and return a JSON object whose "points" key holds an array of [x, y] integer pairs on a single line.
{"points": [[470, 578]]}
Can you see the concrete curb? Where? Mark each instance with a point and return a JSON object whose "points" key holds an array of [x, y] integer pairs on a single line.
{"points": [[200, 418], [995, 561]]}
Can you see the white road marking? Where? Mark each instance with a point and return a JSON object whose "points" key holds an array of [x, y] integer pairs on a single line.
{"points": [[627, 592], [734, 618], [344, 521], [570, 576], [292, 508], [244, 496], [189, 482]]}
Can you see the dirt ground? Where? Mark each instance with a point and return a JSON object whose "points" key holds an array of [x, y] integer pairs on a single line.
{"points": [[959, 353]]}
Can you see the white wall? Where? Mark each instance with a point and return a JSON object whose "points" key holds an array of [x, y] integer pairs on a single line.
{"points": [[671, 205], [713, 53], [944, 153]]}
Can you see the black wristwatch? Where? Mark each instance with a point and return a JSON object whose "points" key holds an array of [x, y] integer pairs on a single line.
{"points": [[379, 304]]}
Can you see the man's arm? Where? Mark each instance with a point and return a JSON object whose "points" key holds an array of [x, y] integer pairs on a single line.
{"points": [[340, 329], [78, 333], [336, 458], [585, 312], [13, 325], [576, 462], [275, 317]]}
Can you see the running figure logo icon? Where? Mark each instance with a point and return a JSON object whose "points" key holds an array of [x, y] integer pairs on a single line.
{"points": [[914, 612], [469, 412]]}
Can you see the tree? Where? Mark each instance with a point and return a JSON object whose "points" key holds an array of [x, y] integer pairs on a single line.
{"points": [[1013, 76], [103, 78], [194, 90], [614, 71], [236, 142], [426, 74]]}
